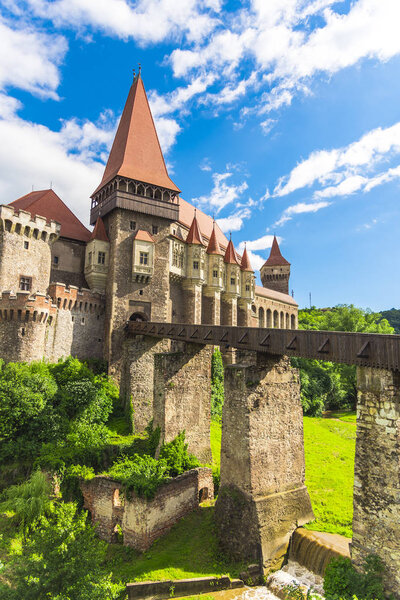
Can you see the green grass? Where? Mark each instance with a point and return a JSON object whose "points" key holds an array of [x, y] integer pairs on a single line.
{"points": [[189, 550], [215, 436]]}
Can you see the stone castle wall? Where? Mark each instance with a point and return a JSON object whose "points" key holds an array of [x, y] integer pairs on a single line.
{"points": [[143, 521]]}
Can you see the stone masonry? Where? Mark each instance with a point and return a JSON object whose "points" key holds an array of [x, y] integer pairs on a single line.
{"points": [[376, 520], [182, 397], [262, 498], [143, 521]]}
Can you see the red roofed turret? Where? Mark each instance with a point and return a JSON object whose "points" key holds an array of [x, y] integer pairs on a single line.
{"points": [[99, 231], [194, 236], [230, 254], [245, 264], [275, 258], [213, 245]]}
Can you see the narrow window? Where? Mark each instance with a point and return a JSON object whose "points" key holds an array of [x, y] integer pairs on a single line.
{"points": [[154, 229], [82, 320], [144, 258], [132, 225], [25, 283], [195, 265], [101, 258], [247, 287], [140, 292], [90, 258], [55, 260], [233, 281], [26, 245], [215, 274]]}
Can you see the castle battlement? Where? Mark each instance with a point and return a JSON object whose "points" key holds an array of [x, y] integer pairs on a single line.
{"points": [[23, 222], [23, 306], [77, 299]]}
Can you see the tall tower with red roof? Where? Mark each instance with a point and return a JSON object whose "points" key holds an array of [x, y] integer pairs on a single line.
{"points": [[275, 272]]}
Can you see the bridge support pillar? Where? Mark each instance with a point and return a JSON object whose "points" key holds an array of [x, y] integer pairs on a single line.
{"points": [[262, 497], [376, 520], [211, 310], [137, 377], [182, 397], [244, 312], [192, 299]]}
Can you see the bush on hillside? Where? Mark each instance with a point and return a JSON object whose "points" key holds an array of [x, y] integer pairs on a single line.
{"points": [[342, 581], [177, 457], [141, 474]]}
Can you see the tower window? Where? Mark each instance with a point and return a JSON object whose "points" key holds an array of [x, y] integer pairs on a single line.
{"points": [[26, 245], [132, 225], [233, 281], [55, 260], [90, 258], [247, 287], [144, 258], [154, 229], [25, 283], [195, 265], [101, 258], [215, 274], [140, 292]]}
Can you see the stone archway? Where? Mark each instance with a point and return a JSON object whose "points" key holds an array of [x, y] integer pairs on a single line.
{"points": [[138, 316]]}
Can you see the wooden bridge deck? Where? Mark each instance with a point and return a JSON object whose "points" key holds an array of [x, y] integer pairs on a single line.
{"points": [[362, 349]]}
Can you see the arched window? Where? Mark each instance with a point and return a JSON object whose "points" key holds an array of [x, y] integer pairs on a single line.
{"points": [[269, 317], [140, 190], [261, 317], [158, 194], [293, 322], [276, 319], [287, 321], [138, 316], [282, 321]]}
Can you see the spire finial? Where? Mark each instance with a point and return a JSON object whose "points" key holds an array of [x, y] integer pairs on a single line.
{"points": [[230, 236], [140, 69], [195, 212], [134, 74]]}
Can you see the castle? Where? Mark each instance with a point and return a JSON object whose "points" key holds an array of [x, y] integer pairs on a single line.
{"points": [[151, 256]]}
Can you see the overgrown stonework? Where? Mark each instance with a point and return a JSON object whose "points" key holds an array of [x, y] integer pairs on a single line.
{"points": [[182, 397], [262, 497], [376, 520]]}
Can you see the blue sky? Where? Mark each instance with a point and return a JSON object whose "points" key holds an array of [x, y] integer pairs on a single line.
{"points": [[278, 116]]}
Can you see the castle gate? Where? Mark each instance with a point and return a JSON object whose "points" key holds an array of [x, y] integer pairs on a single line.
{"points": [[263, 497]]}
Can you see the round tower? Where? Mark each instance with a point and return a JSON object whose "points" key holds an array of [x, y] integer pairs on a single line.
{"points": [[275, 272]]}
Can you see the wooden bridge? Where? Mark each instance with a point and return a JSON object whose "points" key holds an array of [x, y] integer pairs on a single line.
{"points": [[361, 349]]}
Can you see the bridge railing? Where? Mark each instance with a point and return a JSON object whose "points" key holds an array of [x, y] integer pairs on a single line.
{"points": [[362, 349]]}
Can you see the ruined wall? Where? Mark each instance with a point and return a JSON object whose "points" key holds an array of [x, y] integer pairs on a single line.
{"points": [[182, 397], [262, 498], [143, 521], [137, 379], [122, 291], [376, 520]]}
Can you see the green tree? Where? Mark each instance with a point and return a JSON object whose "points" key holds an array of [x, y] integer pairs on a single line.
{"points": [[62, 560], [217, 385], [326, 385], [29, 501]]}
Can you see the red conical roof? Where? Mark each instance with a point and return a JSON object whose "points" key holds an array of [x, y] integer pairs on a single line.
{"points": [[46, 203], [194, 236], [99, 231], [136, 151], [213, 245], [275, 258], [245, 264], [230, 254]]}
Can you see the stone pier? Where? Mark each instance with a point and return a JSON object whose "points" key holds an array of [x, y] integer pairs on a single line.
{"points": [[376, 520], [182, 397], [137, 380], [262, 497]]}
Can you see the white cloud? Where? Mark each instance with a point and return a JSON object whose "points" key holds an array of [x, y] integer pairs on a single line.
{"points": [[262, 243], [205, 164], [347, 168], [234, 222], [146, 21], [298, 209], [267, 125], [222, 193], [30, 59], [256, 260]]}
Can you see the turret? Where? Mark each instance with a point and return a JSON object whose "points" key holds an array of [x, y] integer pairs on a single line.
{"points": [[247, 278], [195, 270], [97, 258], [215, 270], [232, 271], [275, 272]]}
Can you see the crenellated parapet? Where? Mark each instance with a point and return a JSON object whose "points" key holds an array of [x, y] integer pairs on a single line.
{"points": [[75, 299], [24, 307], [22, 222]]}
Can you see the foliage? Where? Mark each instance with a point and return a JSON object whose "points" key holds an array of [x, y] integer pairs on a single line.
{"points": [[177, 457], [342, 581], [217, 385], [326, 385], [153, 438], [142, 474], [62, 560], [43, 403], [393, 317], [29, 501], [295, 592]]}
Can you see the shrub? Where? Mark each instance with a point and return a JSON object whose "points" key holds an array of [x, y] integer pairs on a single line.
{"points": [[142, 474], [177, 457], [342, 581]]}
